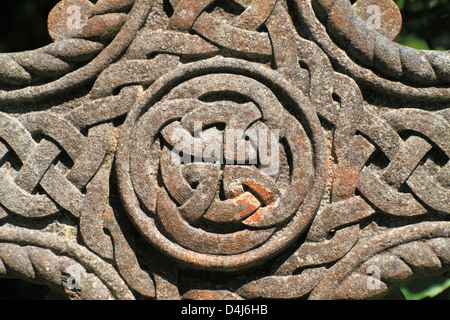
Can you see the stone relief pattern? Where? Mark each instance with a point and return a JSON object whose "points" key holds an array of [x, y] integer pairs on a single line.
{"points": [[92, 205]]}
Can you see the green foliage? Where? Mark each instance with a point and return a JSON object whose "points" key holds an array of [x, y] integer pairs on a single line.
{"points": [[425, 288], [426, 24]]}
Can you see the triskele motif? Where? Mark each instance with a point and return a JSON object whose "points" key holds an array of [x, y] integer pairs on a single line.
{"points": [[224, 174]]}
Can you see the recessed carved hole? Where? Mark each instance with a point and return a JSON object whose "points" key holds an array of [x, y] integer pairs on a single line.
{"points": [[107, 232], [404, 188], [288, 153], [284, 169], [219, 227], [336, 98], [305, 66], [231, 6], [296, 17], [406, 134], [188, 58], [222, 196], [117, 122], [11, 158], [224, 96], [38, 190], [327, 125], [263, 28], [64, 159], [438, 156], [152, 55], [38, 137], [194, 184], [378, 159], [117, 90], [168, 9], [330, 234]]}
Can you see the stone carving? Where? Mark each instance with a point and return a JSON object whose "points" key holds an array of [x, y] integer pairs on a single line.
{"points": [[122, 177], [273, 197]]}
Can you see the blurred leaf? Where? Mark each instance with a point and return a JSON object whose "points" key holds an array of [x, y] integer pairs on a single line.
{"points": [[433, 3], [416, 6], [425, 24], [400, 4], [412, 41], [426, 287]]}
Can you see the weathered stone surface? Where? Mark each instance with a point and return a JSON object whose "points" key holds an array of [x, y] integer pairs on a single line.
{"points": [[156, 140]]}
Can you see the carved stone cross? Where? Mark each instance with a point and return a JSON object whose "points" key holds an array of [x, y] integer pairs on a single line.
{"points": [[229, 149]]}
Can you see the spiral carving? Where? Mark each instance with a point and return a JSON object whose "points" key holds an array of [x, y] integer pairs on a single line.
{"points": [[225, 210]]}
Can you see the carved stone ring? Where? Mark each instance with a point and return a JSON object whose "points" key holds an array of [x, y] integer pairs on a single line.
{"points": [[268, 225]]}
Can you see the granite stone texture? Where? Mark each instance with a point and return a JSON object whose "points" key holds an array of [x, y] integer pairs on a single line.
{"points": [[228, 149]]}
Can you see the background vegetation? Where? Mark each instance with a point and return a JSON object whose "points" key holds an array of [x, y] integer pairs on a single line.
{"points": [[426, 25]]}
